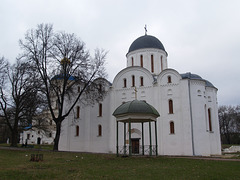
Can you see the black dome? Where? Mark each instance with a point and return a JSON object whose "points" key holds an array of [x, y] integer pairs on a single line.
{"points": [[195, 76], [146, 42]]}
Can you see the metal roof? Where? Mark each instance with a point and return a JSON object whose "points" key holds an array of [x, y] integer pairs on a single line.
{"points": [[146, 41], [136, 107]]}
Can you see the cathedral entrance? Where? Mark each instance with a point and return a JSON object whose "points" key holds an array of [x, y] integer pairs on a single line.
{"points": [[38, 140], [135, 145], [136, 112]]}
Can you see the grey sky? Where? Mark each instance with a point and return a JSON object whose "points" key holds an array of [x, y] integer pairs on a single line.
{"points": [[200, 36]]}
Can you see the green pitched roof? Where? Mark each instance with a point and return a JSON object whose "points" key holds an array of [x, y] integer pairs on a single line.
{"points": [[136, 107]]}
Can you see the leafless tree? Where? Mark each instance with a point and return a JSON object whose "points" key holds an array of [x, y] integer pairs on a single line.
{"points": [[62, 61], [18, 96], [229, 121]]}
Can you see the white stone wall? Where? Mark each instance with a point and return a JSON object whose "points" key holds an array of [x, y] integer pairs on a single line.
{"points": [[34, 134], [146, 53], [191, 99]]}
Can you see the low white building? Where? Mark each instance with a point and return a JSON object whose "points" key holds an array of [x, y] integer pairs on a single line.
{"points": [[41, 131], [187, 104]]}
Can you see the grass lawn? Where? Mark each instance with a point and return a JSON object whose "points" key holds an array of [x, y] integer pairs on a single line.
{"points": [[16, 164]]}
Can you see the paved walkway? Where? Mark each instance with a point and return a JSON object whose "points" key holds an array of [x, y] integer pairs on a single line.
{"points": [[218, 158]]}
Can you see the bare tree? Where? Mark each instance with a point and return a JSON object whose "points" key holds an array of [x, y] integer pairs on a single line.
{"points": [[18, 96], [229, 121], [62, 61]]}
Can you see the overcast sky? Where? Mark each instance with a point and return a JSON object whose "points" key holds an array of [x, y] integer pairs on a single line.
{"points": [[200, 36]]}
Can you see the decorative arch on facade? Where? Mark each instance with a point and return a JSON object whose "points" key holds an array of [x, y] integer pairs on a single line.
{"points": [[163, 77], [127, 73]]}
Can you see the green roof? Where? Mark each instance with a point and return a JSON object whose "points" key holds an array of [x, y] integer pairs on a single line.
{"points": [[136, 107]]}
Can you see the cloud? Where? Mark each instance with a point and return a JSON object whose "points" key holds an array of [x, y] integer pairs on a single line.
{"points": [[201, 37]]}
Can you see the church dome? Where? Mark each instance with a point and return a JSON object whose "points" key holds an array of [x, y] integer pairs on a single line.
{"points": [[196, 77], [136, 107], [146, 41]]}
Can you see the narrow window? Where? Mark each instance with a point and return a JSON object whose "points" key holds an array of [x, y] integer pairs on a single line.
{"points": [[50, 134], [172, 127], [77, 130], [169, 79], [141, 81], [206, 116], [209, 119], [28, 136], [133, 81], [124, 82], [100, 109], [99, 130], [79, 89], [50, 122], [170, 103], [141, 60], [100, 87], [161, 64], [78, 111], [132, 62], [152, 64]]}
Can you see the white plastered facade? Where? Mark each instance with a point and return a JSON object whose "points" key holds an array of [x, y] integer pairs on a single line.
{"points": [[192, 101]]}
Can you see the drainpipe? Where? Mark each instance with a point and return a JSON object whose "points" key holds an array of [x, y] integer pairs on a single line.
{"points": [[190, 104]]}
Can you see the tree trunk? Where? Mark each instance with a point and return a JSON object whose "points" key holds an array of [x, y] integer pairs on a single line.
{"points": [[14, 138], [57, 137]]}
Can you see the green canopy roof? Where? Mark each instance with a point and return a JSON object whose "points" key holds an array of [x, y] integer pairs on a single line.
{"points": [[135, 107]]}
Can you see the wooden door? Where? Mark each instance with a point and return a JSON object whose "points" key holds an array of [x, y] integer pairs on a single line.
{"points": [[135, 146]]}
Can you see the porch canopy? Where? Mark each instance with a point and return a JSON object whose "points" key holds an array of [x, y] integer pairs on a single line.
{"points": [[136, 112]]}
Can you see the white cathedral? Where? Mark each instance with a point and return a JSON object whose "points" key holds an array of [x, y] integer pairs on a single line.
{"points": [[149, 109]]}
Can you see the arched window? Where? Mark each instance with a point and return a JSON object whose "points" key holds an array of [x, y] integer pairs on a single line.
{"points": [[209, 119], [169, 79], [100, 109], [133, 80], [206, 118], [100, 87], [78, 112], [141, 60], [172, 127], [132, 62], [77, 130], [152, 64], [124, 82], [161, 64], [170, 104], [99, 130], [141, 81]]}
